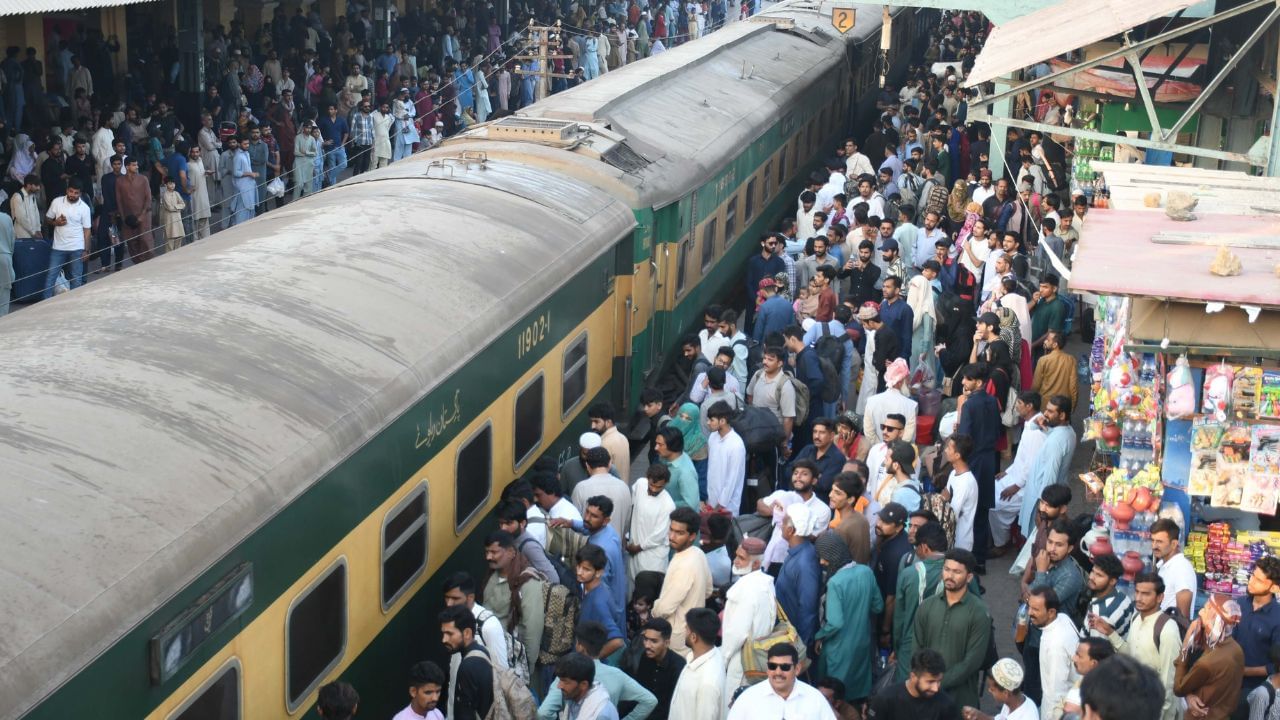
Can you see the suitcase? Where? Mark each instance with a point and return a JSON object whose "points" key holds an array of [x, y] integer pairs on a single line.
{"points": [[30, 267]]}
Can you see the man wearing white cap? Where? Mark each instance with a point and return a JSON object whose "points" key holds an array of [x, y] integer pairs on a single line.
{"points": [[574, 470], [799, 586], [1005, 685]]}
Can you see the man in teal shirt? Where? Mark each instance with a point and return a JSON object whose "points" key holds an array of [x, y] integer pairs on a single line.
{"points": [[1048, 312], [683, 488], [590, 638]]}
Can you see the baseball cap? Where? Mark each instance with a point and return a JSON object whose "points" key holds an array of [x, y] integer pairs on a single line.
{"points": [[894, 514]]}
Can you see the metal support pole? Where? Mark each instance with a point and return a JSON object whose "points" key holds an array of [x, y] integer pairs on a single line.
{"points": [[1273, 152], [886, 41], [1218, 79], [999, 111], [1143, 91], [191, 73], [1109, 138]]}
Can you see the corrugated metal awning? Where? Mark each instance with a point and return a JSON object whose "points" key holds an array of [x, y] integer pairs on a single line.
{"points": [[1060, 29], [27, 7]]}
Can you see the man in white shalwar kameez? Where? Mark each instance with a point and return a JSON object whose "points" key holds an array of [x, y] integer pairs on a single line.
{"points": [[651, 506], [726, 461], [750, 609], [1010, 483], [1052, 462]]}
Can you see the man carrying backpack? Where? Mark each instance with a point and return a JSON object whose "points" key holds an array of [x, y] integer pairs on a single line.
{"points": [[470, 671], [808, 371]]}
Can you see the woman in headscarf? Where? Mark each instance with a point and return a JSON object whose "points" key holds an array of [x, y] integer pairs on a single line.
{"points": [[958, 201], [252, 84], [1012, 332], [24, 159], [688, 420]]}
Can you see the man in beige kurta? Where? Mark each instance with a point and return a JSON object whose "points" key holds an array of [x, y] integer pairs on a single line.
{"points": [[688, 581]]}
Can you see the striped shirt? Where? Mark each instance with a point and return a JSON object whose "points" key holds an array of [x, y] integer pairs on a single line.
{"points": [[1115, 608]]}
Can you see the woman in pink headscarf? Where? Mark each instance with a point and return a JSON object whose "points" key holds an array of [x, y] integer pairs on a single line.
{"points": [[1209, 671]]}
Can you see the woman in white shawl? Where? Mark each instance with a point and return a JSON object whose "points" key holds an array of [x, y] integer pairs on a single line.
{"points": [[647, 543], [920, 298], [24, 159]]}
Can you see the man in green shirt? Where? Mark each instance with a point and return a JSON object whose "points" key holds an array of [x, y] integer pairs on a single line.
{"points": [[1048, 312], [916, 582], [957, 625]]}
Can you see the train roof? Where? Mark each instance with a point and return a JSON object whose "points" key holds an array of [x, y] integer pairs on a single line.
{"points": [[682, 114], [154, 419]]}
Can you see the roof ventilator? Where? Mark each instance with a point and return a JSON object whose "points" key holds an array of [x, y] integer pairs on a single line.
{"points": [[533, 129], [467, 159]]}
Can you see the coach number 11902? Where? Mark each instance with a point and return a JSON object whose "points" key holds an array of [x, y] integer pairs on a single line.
{"points": [[535, 333]]}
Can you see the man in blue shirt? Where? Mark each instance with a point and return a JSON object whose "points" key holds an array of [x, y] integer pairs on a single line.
{"points": [[597, 603], [898, 315], [980, 420], [774, 315], [809, 372], [799, 584], [1259, 628], [335, 134], [764, 264], [595, 524]]}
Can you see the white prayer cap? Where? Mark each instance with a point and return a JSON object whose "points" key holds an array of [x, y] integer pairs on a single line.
{"points": [[588, 440], [807, 323], [798, 514]]}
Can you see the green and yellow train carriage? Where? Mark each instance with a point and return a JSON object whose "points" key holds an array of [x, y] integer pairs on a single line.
{"points": [[234, 473]]}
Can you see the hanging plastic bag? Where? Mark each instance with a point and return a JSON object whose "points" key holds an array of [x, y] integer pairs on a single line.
{"points": [[275, 188], [1181, 403]]}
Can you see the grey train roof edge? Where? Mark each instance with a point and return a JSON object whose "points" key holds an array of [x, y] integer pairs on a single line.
{"points": [[158, 417]]}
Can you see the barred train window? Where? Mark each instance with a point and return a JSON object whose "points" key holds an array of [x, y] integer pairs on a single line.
{"points": [[731, 220], [709, 243], [217, 699], [573, 385], [316, 633], [782, 168], [404, 545], [768, 180], [749, 210], [528, 420], [474, 475], [682, 257]]}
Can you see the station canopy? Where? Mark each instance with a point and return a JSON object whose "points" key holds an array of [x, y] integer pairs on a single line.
{"points": [[28, 7], [1059, 29]]}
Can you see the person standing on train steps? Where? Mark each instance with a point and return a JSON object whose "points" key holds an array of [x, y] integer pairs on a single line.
{"points": [[513, 591], [426, 683], [337, 701], [460, 589], [601, 482], [574, 470], [737, 343], [470, 672], [602, 416]]}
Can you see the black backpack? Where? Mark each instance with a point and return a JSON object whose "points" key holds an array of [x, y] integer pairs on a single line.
{"points": [[1167, 616], [830, 356]]}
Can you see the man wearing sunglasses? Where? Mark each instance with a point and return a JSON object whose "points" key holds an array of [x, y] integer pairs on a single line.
{"points": [[783, 696]]}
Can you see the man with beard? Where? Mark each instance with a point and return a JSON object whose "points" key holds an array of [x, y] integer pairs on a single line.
{"points": [[980, 420], [470, 673], [892, 543], [1105, 599], [861, 275], [651, 663], [994, 205], [750, 609], [1152, 640], [688, 581], [958, 626], [512, 593], [1259, 631], [1054, 459], [804, 480], [921, 697], [1058, 642], [1210, 669], [1056, 569], [1051, 505]]}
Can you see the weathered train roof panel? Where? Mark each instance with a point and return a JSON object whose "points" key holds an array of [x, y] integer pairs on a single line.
{"points": [[152, 420], [730, 87]]}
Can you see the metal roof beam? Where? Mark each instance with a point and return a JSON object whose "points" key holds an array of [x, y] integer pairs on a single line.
{"points": [[1109, 138], [1218, 79], [1122, 51], [1140, 80]]}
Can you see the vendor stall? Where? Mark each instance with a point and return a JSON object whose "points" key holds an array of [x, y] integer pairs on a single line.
{"points": [[1185, 371]]}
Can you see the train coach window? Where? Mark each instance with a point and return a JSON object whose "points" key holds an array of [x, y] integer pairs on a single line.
{"points": [[573, 383], [731, 220], [709, 242], [749, 207], [768, 180], [217, 699], [473, 476], [404, 545], [316, 634], [782, 168], [528, 420]]}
